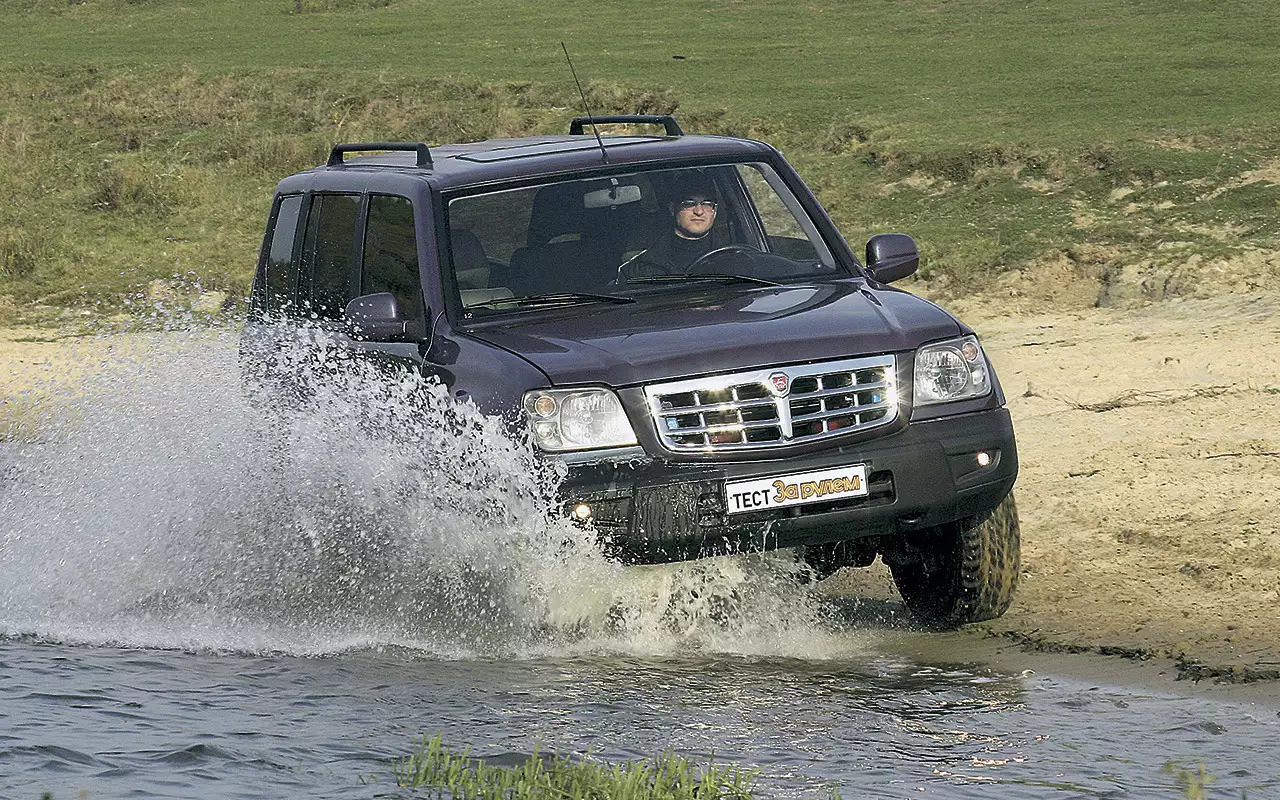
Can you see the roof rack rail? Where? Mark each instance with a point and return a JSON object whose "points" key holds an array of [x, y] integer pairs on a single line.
{"points": [[424, 155], [665, 120]]}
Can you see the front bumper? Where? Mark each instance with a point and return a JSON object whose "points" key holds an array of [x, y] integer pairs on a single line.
{"points": [[923, 475]]}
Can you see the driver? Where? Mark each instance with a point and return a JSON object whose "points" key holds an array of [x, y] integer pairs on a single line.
{"points": [[693, 214]]}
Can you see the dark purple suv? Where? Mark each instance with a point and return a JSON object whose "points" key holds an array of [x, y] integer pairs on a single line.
{"points": [[677, 318]]}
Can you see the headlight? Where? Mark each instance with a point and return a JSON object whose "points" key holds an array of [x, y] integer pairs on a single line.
{"points": [[951, 370], [577, 419]]}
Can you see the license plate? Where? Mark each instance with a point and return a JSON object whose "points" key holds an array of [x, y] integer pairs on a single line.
{"points": [[820, 486]]}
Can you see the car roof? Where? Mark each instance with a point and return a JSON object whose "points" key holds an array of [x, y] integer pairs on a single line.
{"points": [[491, 160]]}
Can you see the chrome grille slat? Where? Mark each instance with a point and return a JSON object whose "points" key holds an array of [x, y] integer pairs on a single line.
{"points": [[855, 389], [745, 426], [835, 412], [784, 425], [730, 406]]}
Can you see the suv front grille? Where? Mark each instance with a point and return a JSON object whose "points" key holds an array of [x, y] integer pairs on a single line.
{"points": [[774, 407]]}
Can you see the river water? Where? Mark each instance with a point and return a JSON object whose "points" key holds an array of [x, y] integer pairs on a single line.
{"points": [[202, 599]]}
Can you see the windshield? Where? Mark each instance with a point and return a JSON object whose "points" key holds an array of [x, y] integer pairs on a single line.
{"points": [[609, 239]]}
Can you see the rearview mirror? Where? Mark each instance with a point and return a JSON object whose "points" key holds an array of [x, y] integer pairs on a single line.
{"points": [[892, 256], [613, 196], [376, 318]]}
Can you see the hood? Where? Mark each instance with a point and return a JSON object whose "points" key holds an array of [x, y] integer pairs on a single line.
{"points": [[718, 329]]}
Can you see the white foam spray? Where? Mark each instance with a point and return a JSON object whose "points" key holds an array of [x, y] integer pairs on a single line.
{"points": [[160, 505]]}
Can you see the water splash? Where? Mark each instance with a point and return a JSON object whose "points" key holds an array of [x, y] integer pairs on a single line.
{"points": [[160, 505]]}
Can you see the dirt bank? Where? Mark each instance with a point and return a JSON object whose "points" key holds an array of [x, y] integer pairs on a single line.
{"points": [[1150, 486], [1150, 447], [1149, 490]]}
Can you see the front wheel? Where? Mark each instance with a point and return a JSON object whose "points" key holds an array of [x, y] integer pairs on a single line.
{"points": [[962, 572]]}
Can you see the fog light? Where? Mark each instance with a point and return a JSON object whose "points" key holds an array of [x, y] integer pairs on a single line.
{"points": [[984, 459], [544, 406], [582, 512]]}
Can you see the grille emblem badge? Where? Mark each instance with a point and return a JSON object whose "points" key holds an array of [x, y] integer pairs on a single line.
{"points": [[781, 383]]}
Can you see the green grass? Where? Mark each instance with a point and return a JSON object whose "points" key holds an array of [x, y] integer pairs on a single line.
{"points": [[1194, 783], [462, 777], [119, 180], [1059, 150], [669, 777], [1056, 73]]}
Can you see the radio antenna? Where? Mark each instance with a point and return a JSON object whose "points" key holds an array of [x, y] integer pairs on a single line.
{"points": [[604, 155]]}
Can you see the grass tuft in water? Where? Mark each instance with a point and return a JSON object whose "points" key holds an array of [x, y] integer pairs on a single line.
{"points": [[1194, 783], [668, 777]]}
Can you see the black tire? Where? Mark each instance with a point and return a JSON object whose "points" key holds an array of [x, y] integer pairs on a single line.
{"points": [[963, 572]]}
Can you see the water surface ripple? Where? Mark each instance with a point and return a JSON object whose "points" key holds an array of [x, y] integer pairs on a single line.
{"points": [[114, 722]]}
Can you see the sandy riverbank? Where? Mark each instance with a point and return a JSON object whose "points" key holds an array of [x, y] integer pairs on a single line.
{"points": [[1150, 484], [1149, 491]]}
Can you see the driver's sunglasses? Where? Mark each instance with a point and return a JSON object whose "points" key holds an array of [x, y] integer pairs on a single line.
{"points": [[685, 205]]}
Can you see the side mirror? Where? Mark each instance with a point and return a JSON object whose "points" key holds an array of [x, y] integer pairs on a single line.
{"points": [[892, 256], [376, 318]]}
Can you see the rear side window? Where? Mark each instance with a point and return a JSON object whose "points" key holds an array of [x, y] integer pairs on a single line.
{"points": [[276, 286], [327, 254], [391, 254]]}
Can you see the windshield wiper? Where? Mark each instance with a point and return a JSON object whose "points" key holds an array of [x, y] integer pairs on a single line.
{"points": [[702, 276], [553, 299]]}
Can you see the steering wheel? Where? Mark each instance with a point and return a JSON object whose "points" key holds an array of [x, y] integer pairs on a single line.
{"points": [[728, 248]]}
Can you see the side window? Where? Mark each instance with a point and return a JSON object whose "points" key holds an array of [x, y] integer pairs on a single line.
{"points": [[391, 254], [787, 227], [777, 220], [325, 285], [276, 284]]}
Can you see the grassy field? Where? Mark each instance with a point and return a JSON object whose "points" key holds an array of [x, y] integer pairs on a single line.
{"points": [[1055, 73], [1061, 151]]}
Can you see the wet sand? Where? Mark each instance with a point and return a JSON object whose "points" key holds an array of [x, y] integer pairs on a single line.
{"points": [[1149, 492], [1150, 486]]}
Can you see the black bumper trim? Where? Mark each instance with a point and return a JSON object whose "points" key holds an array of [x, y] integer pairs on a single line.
{"points": [[919, 477]]}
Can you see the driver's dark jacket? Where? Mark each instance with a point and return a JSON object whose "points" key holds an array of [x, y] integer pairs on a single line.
{"points": [[670, 255]]}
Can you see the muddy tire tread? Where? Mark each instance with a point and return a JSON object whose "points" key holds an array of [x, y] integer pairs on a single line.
{"points": [[991, 562], [981, 573]]}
